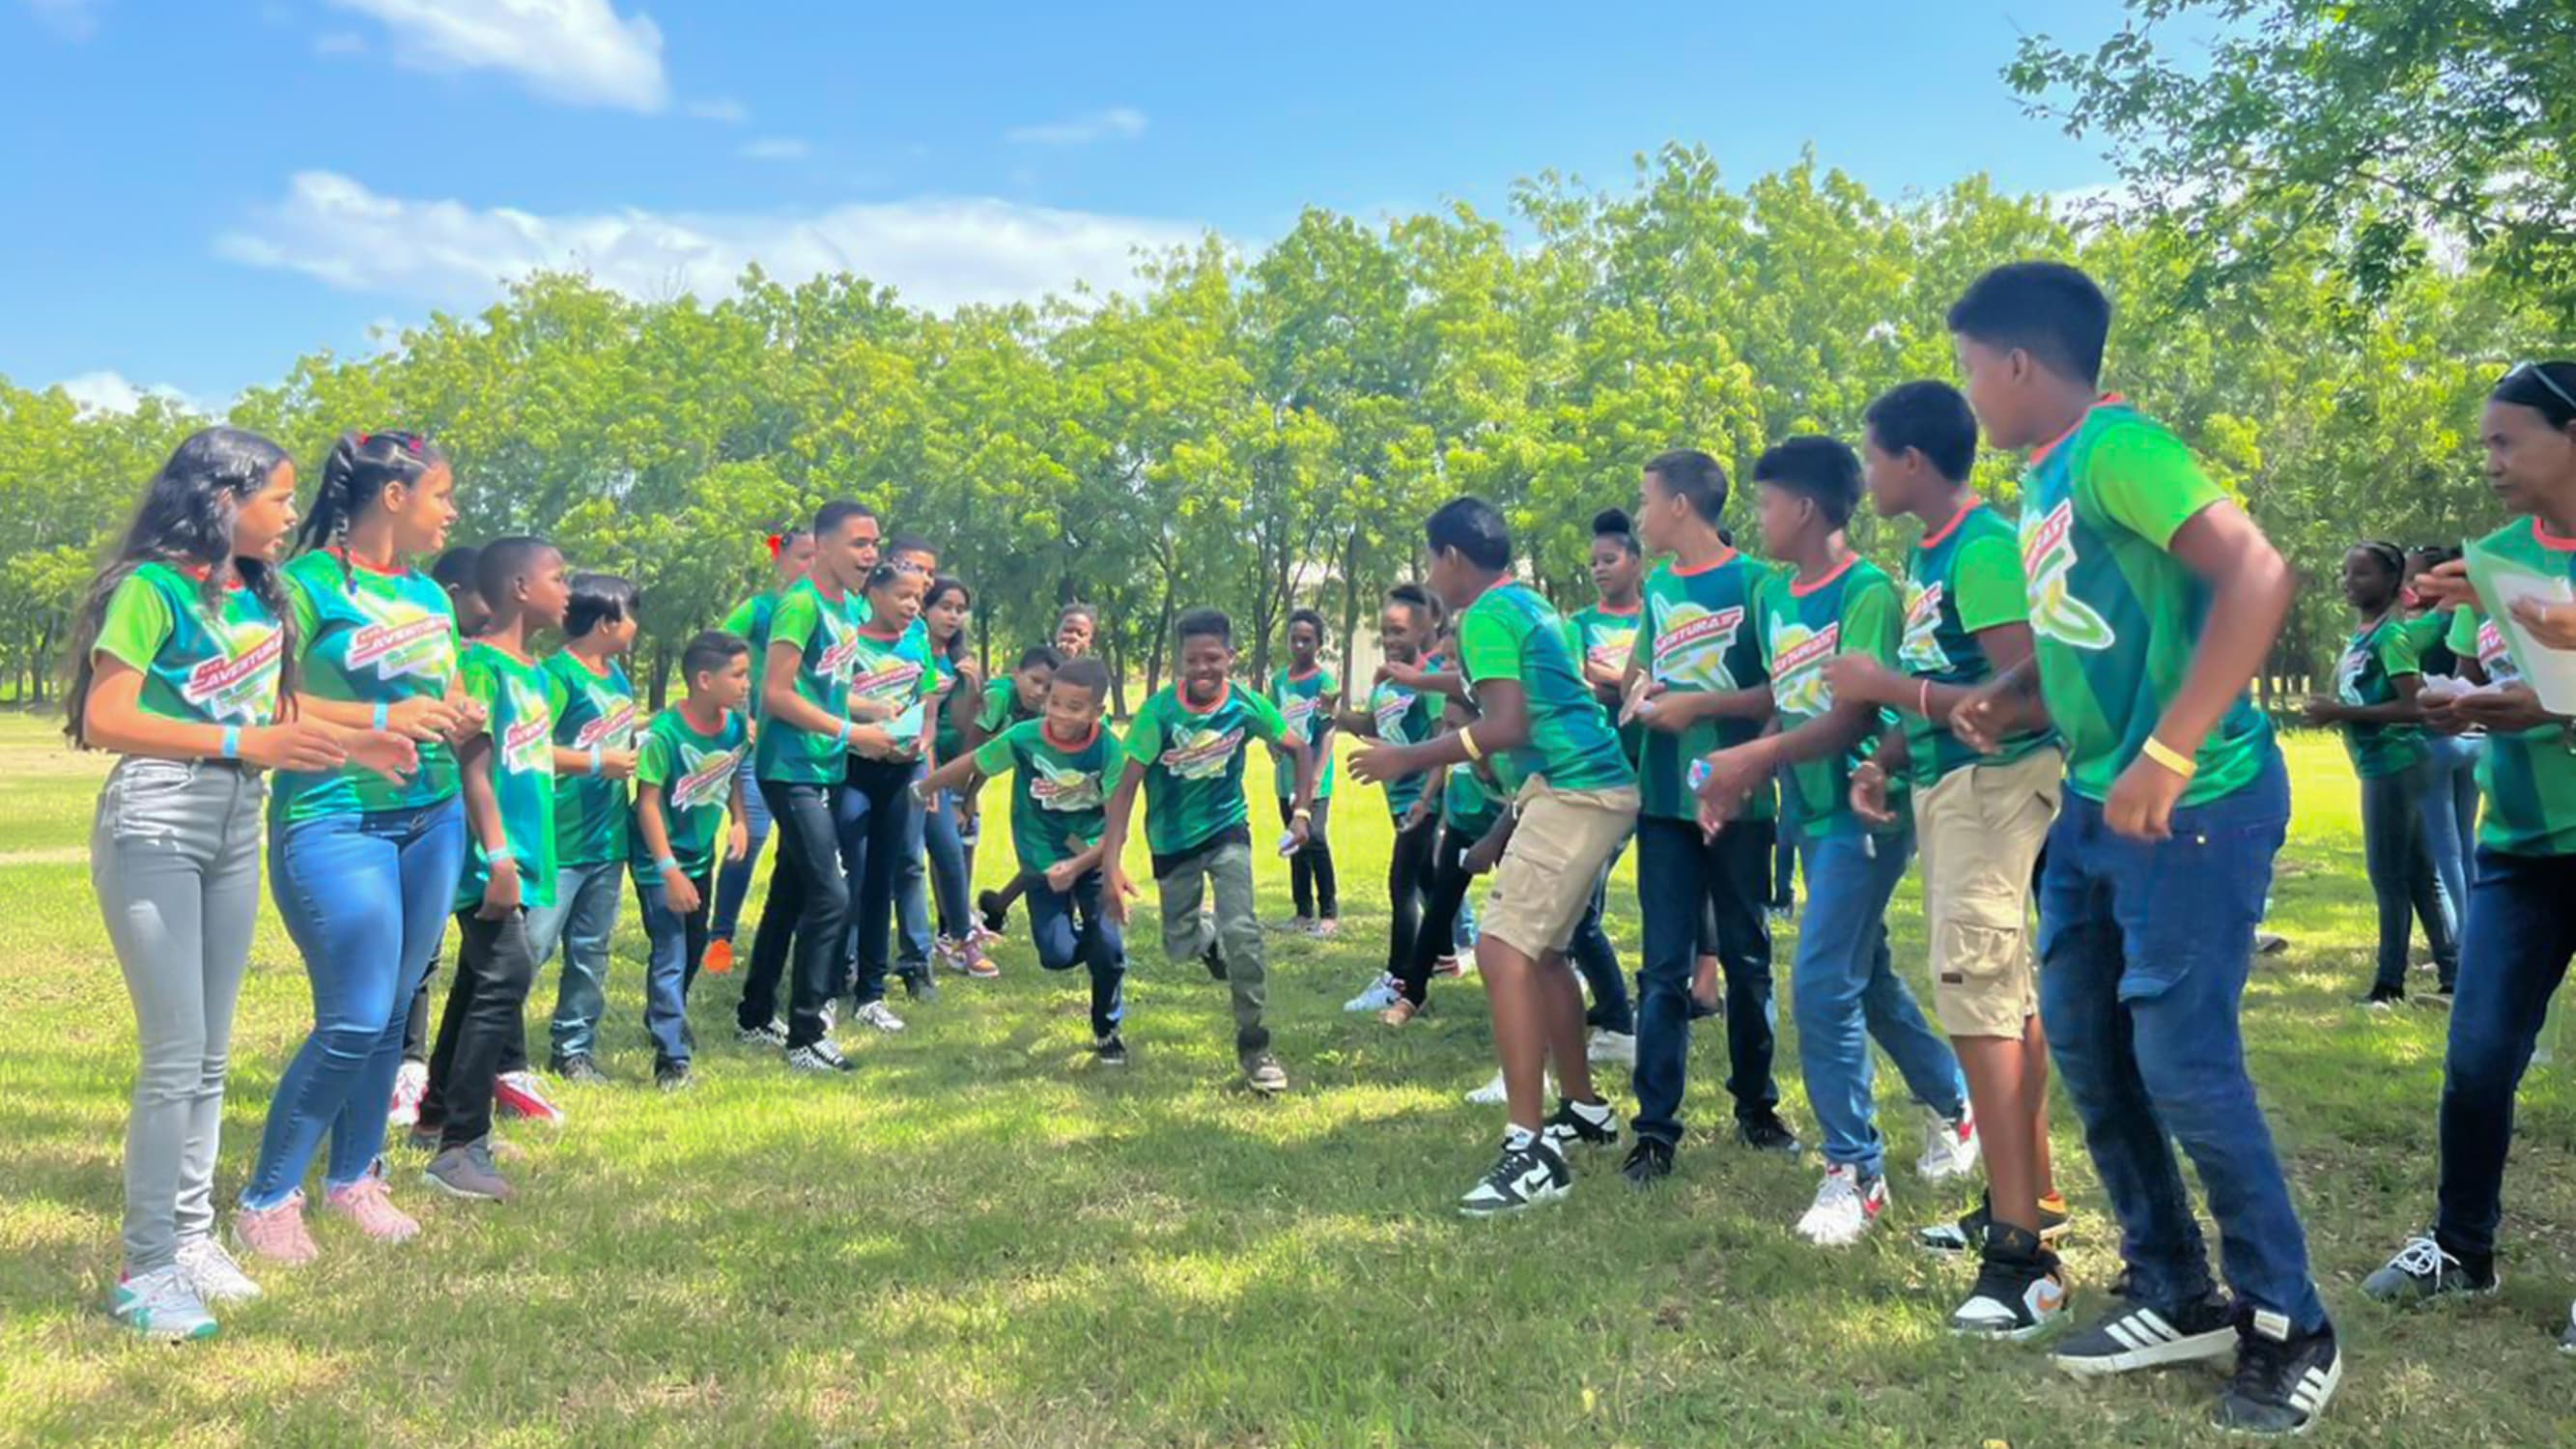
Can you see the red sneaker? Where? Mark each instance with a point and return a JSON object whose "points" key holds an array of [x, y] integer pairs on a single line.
{"points": [[519, 1094]]}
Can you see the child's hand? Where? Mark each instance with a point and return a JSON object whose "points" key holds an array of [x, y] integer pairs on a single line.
{"points": [[738, 841], [1420, 812], [617, 764], [471, 720], [2551, 624], [292, 745], [1404, 675], [2510, 710], [679, 892], [500, 891], [1061, 876], [1978, 722], [1299, 832], [388, 754], [1869, 793], [1733, 775], [1121, 890], [871, 741], [1857, 678], [2446, 586], [425, 718], [2320, 710], [1486, 853], [2142, 801], [1383, 762]]}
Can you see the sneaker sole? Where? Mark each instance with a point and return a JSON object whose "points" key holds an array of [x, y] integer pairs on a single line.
{"points": [[1487, 1214], [164, 1335], [2334, 1380], [2217, 1343], [1954, 1247], [452, 1190], [2017, 1334]]}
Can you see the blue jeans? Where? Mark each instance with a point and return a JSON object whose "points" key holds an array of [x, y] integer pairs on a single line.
{"points": [[581, 921], [952, 867], [2514, 958], [1681, 877], [2394, 853], [1463, 934], [1598, 960], [879, 824], [674, 944], [733, 877], [1070, 929], [1846, 992], [2144, 948], [1784, 867], [2451, 815], [364, 898]]}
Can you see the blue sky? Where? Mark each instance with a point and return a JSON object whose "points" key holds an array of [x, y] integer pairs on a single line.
{"points": [[199, 191]]}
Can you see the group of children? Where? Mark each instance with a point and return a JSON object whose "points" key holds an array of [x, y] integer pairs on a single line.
{"points": [[2050, 711]]}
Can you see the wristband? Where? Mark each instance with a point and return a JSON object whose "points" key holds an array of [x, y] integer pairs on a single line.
{"points": [[1923, 700], [1467, 742], [384, 713], [1301, 814], [232, 742], [594, 760], [667, 864], [842, 741], [2169, 757]]}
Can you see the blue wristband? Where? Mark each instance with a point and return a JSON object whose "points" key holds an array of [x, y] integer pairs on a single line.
{"points": [[842, 742], [232, 742], [384, 713], [666, 863], [594, 760]]}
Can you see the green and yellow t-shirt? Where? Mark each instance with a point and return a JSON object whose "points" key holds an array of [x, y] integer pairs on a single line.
{"points": [[1960, 580], [1058, 792], [514, 692], [1609, 637], [1852, 610], [2373, 661], [1471, 799], [1404, 717], [1301, 701], [592, 710], [695, 772], [1511, 633], [897, 673], [2475, 636], [1701, 636], [947, 740], [749, 622], [2430, 632], [1193, 761], [366, 636], [2115, 617], [825, 633], [1002, 708], [201, 663], [2528, 777]]}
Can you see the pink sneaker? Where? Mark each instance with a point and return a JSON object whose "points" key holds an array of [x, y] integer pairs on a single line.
{"points": [[411, 1084], [366, 1203], [519, 1094], [276, 1234]]}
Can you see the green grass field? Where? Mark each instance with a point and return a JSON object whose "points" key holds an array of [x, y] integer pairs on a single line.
{"points": [[979, 1238]]}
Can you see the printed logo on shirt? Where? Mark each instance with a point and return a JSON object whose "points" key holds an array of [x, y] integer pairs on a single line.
{"points": [[527, 746], [1921, 653], [1199, 754], [1299, 711], [2047, 558], [2493, 656], [1611, 648], [238, 683], [706, 777], [1691, 646], [840, 657], [896, 680], [2348, 672], [401, 639], [1392, 706], [1063, 787], [615, 726], [1798, 656]]}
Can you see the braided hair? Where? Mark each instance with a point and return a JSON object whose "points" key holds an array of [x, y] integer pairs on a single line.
{"points": [[357, 472]]}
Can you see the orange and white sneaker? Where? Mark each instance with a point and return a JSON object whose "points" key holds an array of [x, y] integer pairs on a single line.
{"points": [[519, 1094], [1949, 1145], [1402, 1012]]}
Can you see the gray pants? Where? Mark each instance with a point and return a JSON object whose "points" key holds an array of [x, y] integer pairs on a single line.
{"points": [[1236, 933], [174, 857]]}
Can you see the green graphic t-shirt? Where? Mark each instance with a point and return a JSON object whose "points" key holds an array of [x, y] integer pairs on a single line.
{"points": [[2115, 618], [1852, 610], [368, 637], [947, 740], [1512, 633], [1700, 637], [591, 711], [1300, 703], [825, 633], [1403, 717], [897, 674], [1609, 637], [515, 693], [2528, 778], [1002, 707], [1959, 581], [204, 665], [1057, 793], [2374, 659], [749, 622], [2474, 636], [696, 774], [1193, 763]]}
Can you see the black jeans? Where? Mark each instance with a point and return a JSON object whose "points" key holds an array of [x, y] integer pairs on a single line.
{"points": [[809, 904], [879, 824], [482, 1028], [1682, 881], [1434, 934], [1408, 888], [1311, 882], [2513, 957]]}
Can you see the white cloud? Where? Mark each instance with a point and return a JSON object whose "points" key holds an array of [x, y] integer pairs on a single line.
{"points": [[775, 148], [1118, 123], [581, 52], [724, 110], [109, 392], [340, 42], [71, 19], [939, 251]]}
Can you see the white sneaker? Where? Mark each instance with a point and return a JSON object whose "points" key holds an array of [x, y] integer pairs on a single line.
{"points": [[1381, 994], [213, 1273], [161, 1304], [880, 1016], [1844, 1208], [1492, 1095], [1949, 1148], [410, 1085], [1612, 1046]]}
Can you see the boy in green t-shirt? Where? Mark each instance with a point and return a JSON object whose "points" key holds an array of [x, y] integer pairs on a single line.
{"points": [[687, 782], [507, 768], [1826, 601], [1308, 696], [594, 754], [1007, 701], [1186, 749], [791, 554], [2153, 600], [1060, 766], [1401, 716], [1549, 738], [1981, 819]]}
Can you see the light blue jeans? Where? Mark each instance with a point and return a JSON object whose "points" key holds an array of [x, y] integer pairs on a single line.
{"points": [[581, 921], [1846, 992]]}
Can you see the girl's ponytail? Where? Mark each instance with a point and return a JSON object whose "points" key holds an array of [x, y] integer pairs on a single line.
{"points": [[358, 470]]}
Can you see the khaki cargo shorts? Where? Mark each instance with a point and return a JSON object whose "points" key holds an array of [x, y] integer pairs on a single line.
{"points": [[1980, 830], [1544, 883]]}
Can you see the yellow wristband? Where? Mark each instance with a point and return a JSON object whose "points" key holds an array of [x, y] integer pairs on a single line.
{"points": [[2171, 758], [1467, 742]]}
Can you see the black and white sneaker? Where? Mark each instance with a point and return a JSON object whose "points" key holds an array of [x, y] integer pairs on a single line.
{"points": [[2136, 1336], [1767, 1133], [2020, 1291], [1214, 960], [2423, 1270], [772, 1036], [1581, 1124], [1969, 1231], [823, 1056], [1648, 1164], [1111, 1050], [1528, 1173], [2283, 1380]]}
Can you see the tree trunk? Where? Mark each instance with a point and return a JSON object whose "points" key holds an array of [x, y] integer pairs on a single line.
{"points": [[1350, 614], [1117, 652]]}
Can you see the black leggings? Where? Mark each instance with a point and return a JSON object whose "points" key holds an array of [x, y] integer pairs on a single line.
{"points": [[1408, 889], [1434, 934], [1310, 870]]}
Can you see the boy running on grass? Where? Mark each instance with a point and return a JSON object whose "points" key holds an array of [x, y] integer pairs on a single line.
{"points": [[1824, 601], [688, 779], [1060, 767], [2153, 599], [1021, 695], [1981, 819], [1186, 749], [1576, 802]]}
